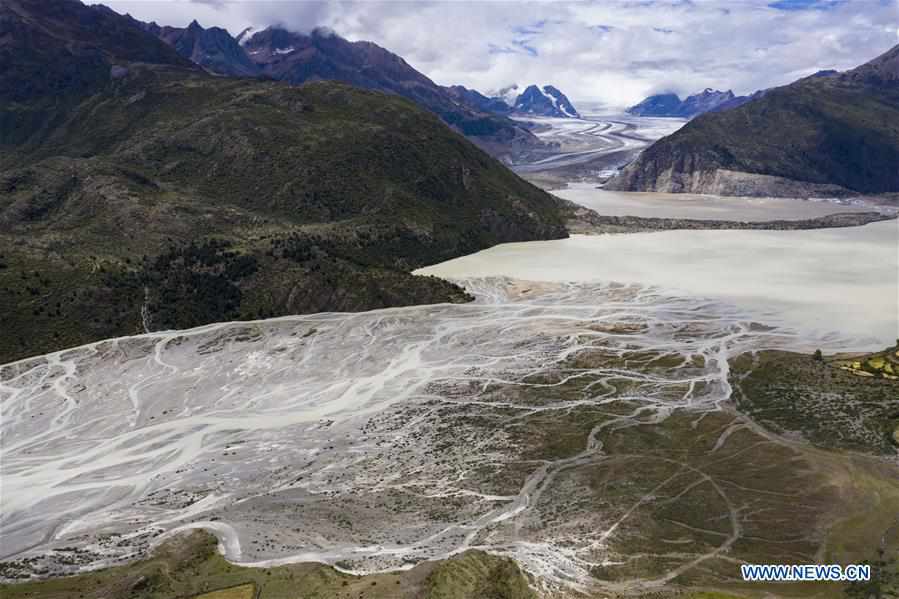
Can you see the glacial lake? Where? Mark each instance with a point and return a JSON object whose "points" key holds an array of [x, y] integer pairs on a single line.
{"points": [[835, 287], [701, 207]]}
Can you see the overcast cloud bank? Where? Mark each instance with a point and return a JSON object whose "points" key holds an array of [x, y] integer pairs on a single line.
{"points": [[609, 52]]}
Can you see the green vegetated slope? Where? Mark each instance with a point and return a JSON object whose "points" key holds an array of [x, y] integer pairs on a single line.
{"points": [[163, 197], [838, 130], [189, 566], [824, 400], [848, 407]]}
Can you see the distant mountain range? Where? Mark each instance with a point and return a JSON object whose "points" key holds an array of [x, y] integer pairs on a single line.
{"points": [[139, 192], [708, 100], [533, 101], [296, 58], [670, 105], [828, 134], [285, 55]]}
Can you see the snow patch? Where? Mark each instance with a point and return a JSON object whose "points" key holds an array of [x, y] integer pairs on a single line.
{"points": [[550, 97], [245, 35], [556, 102], [508, 94]]}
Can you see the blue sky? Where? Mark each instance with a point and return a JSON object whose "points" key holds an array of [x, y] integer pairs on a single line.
{"points": [[613, 52], [805, 4]]}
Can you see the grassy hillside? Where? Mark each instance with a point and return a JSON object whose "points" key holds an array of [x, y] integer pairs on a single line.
{"points": [[841, 131], [190, 566], [171, 198]]}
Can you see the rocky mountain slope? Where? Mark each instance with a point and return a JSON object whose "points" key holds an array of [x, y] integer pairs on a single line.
{"points": [[53, 53], [545, 101], [148, 194], [475, 98], [670, 105], [834, 134], [213, 49]]}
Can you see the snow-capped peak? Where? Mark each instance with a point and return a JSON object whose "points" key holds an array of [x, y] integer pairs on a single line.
{"points": [[545, 101]]}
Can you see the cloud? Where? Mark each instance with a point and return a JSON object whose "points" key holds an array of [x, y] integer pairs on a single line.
{"points": [[613, 52], [805, 4]]}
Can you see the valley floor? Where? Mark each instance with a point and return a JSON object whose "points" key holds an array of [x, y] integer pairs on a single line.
{"points": [[613, 415], [586, 431]]}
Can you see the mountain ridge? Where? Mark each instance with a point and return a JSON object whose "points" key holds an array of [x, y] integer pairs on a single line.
{"points": [[671, 105], [213, 49]]}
